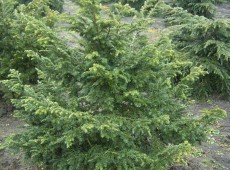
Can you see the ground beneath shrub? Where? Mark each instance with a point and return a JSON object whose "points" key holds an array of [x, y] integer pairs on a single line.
{"points": [[10, 125], [223, 10], [215, 155]]}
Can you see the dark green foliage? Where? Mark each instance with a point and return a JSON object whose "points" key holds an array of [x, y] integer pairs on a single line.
{"points": [[111, 105], [21, 32], [56, 5], [124, 10], [179, 16], [24, 1], [192, 36], [53, 4], [137, 4], [198, 7], [207, 43], [40, 9], [6, 16], [171, 15]]}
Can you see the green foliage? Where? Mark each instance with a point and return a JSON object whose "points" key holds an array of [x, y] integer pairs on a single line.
{"points": [[6, 16], [137, 4], [179, 16], [56, 5], [21, 31], [198, 7], [172, 15], [207, 44], [110, 105], [124, 10], [53, 4], [40, 9], [24, 1], [203, 41]]}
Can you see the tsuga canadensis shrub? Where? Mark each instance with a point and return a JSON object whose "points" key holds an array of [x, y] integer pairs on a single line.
{"points": [[204, 8], [137, 4], [20, 31], [206, 43], [53, 4], [110, 104], [171, 16]]}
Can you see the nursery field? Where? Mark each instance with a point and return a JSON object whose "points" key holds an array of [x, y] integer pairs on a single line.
{"points": [[114, 84]]}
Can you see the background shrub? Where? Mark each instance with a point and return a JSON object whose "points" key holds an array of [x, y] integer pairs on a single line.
{"points": [[137, 4], [198, 7], [207, 44], [20, 31], [172, 15], [53, 4]]}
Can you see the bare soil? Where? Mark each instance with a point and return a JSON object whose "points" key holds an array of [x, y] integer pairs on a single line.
{"points": [[223, 10], [10, 125], [216, 153]]}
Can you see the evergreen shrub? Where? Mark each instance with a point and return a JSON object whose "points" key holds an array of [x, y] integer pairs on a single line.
{"points": [[6, 16], [137, 4], [206, 43], [21, 31], [204, 8], [53, 4], [172, 15], [111, 104]]}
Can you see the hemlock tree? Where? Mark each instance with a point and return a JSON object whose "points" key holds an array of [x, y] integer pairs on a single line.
{"points": [[207, 44], [137, 4], [198, 7], [53, 4], [111, 105], [172, 15], [21, 31], [6, 18]]}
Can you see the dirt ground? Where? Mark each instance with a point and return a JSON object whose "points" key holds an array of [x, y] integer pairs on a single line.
{"points": [[223, 11], [11, 125], [215, 154]]}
